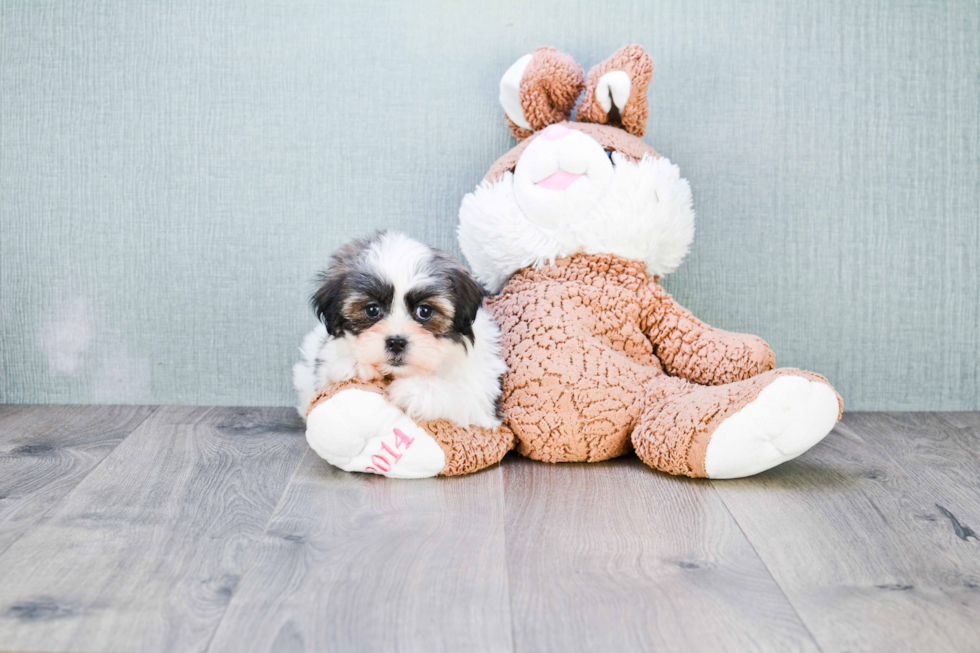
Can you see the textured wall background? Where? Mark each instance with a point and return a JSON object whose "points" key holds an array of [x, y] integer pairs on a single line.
{"points": [[173, 173]]}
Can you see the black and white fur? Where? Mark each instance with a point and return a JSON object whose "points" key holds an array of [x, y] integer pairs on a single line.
{"points": [[392, 307]]}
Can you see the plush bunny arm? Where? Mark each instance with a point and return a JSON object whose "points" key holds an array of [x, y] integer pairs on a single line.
{"points": [[465, 449], [692, 350], [329, 390], [469, 448]]}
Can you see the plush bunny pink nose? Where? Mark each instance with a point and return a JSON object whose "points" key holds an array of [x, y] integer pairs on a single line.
{"points": [[554, 132]]}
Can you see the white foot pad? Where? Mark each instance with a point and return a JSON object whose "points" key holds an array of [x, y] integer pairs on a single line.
{"points": [[359, 431], [788, 417]]}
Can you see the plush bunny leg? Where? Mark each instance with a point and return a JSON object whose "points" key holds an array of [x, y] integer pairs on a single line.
{"points": [[734, 430], [353, 426], [469, 448]]}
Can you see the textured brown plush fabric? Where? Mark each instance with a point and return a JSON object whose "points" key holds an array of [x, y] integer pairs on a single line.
{"points": [[635, 62], [470, 448], [690, 349], [550, 85], [329, 390], [591, 342], [467, 448], [610, 138], [602, 360], [519, 132], [674, 428]]}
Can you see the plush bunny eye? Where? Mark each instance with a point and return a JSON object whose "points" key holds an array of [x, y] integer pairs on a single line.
{"points": [[423, 312], [373, 311]]}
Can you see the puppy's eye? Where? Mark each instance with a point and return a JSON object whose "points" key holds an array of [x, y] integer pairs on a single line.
{"points": [[609, 154], [373, 311], [423, 312]]}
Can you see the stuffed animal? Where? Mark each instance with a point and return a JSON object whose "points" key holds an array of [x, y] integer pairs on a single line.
{"points": [[573, 228]]}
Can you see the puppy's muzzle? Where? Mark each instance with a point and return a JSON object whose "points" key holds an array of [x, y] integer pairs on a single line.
{"points": [[395, 345]]}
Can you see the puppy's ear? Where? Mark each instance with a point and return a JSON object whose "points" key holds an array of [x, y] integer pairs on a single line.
{"points": [[468, 297], [616, 93], [540, 89], [327, 299]]}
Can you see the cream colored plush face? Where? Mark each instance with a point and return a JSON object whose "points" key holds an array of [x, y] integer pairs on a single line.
{"points": [[589, 185], [639, 210], [560, 177]]}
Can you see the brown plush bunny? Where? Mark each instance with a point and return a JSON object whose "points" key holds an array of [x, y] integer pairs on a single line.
{"points": [[573, 227]]}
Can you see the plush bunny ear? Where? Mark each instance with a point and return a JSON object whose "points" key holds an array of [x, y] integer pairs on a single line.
{"points": [[540, 89], [617, 91]]}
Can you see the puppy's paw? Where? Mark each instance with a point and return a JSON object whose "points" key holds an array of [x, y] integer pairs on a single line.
{"points": [[366, 373], [415, 396], [359, 431]]}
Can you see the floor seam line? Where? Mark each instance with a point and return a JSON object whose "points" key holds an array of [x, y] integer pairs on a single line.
{"points": [[64, 497], [255, 553], [789, 602], [510, 592]]}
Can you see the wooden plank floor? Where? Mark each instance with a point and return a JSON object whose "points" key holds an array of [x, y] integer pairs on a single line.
{"points": [[45, 453], [215, 529]]}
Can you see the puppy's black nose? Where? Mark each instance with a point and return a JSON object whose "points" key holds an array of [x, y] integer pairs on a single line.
{"points": [[396, 344]]}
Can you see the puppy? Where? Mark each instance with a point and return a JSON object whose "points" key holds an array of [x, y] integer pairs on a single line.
{"points": [[397, 312]]}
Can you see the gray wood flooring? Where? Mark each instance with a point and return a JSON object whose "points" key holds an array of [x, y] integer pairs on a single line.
{"points": [[216, 529]]}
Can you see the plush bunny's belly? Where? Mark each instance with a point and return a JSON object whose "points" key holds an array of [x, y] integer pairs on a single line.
{"points": [[578, 360]]}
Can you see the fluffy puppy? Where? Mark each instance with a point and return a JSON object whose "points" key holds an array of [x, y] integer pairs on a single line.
{"points": [[393, 309]]}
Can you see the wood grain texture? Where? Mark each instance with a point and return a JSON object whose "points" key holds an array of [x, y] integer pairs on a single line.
{"points": [[361, 563], [208, 529], [145, 553], [873, 534], [45, 451], [616, 557]]}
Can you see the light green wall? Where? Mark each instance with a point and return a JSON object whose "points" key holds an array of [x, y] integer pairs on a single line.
{"points": [[172, 175]]}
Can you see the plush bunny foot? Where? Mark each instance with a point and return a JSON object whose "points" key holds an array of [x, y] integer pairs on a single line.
{"points": [[359, 431], [737, 429], [789, 416]]}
